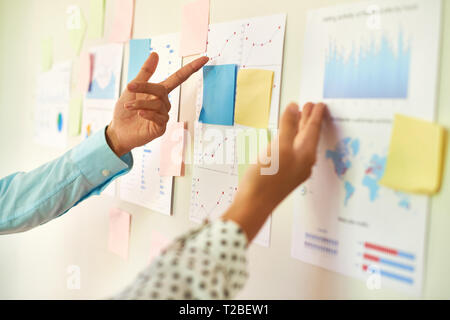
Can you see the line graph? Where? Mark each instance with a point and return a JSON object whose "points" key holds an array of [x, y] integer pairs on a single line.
{"points": [[215, 148], [233, 36], [210, 197], [211, 154], [255, 42], [259, 45], [243, 41], [144, 185]]}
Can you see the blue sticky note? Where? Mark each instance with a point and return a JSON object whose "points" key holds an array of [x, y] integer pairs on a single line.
{"points": [[219, 88], [139, 51]]}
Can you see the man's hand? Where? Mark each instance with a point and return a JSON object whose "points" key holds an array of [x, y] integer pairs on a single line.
{"points": [[142, 111]]}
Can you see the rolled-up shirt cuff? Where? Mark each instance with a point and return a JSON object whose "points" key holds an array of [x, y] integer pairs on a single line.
{"points": [[97, 162]]}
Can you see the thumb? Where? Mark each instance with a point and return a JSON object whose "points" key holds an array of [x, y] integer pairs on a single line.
{"points": [[289, 123], [148, 68]]}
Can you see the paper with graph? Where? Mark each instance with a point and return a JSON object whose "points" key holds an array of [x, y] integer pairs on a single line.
{"points": [[366, 62], [144, 185], [255, 43], [51, 113], [104, 90]]}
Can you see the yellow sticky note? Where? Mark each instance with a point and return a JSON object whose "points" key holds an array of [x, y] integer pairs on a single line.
{"points": [[75, 107], [253, 96], [250, 145], [46, 54], [414, 162], [96, 19]]}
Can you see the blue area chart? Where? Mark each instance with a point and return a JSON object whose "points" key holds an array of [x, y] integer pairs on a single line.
{"points": [[379, 71], [96, 92]]}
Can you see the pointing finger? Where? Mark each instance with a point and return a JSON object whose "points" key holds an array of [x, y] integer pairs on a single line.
{"points": [[148, 68], [184, 73]]}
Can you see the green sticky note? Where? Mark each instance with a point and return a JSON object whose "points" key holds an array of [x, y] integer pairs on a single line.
{"points": [[75, 107], [46, 54], [250, 143], [96, 19], [76, 25], [415, 158]]}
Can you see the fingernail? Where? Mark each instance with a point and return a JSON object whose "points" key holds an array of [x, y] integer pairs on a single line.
{"points": [[132, 86], [293, 108]]}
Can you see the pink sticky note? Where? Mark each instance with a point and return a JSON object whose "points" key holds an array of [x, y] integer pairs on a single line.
{"points": [[172, 148], [158, 242], [119, 232], [123, 21], [85, 71], [194, 28]]}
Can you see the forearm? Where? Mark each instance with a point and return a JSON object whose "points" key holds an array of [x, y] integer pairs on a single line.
{"points": [[206, 263], [250, 211], [30, 199], [258, 195]]}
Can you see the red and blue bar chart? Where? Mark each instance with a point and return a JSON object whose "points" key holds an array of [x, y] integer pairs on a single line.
{"points": [[388, 262]]}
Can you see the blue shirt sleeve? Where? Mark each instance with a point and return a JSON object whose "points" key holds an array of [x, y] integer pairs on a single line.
{"points": [[31, 199]]}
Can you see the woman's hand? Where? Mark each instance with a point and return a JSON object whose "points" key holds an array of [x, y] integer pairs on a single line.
{"points": [[142, 111], [259, 194]]}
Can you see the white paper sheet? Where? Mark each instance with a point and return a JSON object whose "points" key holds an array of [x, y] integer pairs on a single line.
{"points": [[104, 90], [250, 43], [365, 62], [143, 185], [103, 93], [52, 105]]}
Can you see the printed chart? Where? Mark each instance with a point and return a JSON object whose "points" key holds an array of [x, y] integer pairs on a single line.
{"points": [[251, 43], [103, 93], [104, 89], [377, 70], [366, 64], [143, 185], [52, 106]]}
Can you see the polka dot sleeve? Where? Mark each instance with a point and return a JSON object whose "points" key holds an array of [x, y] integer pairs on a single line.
{"points": [[206, 263]]}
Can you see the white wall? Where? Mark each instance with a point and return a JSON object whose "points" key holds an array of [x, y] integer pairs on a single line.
{"points": [[34, 264]]}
